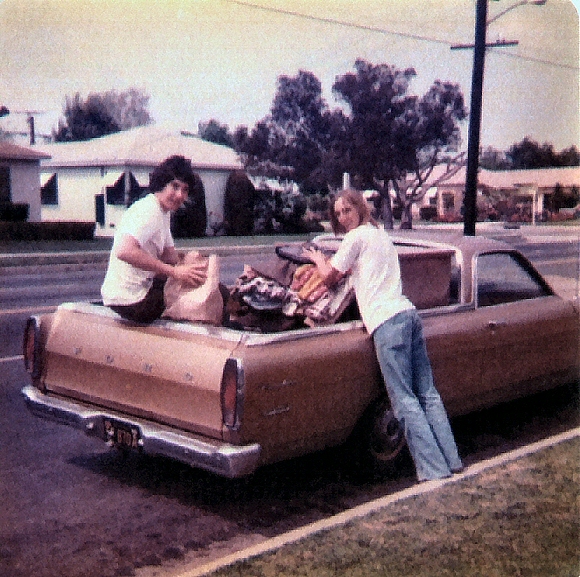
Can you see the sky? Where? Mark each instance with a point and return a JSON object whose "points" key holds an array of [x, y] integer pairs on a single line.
{"points": [[220, 59]]}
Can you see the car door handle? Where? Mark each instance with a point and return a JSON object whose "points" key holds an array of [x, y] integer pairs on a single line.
{"points": [[496, 324]]}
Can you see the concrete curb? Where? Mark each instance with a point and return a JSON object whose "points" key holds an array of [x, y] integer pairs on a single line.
{"points": [[356, 513], [97, 256]]}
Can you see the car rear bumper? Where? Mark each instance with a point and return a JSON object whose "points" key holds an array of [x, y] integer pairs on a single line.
{"points": [[154, 439]]}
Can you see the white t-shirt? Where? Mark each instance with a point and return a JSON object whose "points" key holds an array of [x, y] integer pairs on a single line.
{"points": [[145, 221], [368, 252]]}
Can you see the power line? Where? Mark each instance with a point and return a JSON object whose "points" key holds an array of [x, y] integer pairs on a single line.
{"points": [[538, 60], [370, 28], [366, 27]]}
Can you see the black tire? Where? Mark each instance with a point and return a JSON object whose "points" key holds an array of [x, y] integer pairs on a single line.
{"points": [[379, 442]]}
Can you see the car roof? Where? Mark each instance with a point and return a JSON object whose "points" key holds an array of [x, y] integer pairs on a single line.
{"points": [[456, 240], [464, 247]]}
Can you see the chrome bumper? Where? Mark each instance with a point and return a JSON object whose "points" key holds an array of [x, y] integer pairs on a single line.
{"points": [[211, 455]]}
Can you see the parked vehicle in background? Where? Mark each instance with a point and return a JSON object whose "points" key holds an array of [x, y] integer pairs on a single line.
{"points": [[230, 399]]}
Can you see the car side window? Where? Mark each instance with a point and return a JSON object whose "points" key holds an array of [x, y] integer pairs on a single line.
{"points": [[502, 278]]}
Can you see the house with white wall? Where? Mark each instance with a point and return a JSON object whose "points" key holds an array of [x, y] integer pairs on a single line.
{"points": [[95, 180], [20, 177]]}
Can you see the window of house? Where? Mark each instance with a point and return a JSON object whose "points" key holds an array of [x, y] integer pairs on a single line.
{"points": [[136, 191], [448, 202], [5, 195], [504, 278], [49, 192], [116, 194]]}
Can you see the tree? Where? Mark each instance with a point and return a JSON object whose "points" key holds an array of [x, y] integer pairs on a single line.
{"points": [[101, 114], [213, 131], [492, 159], [387, 139], [431, 137], [530, 154], [254, 146], [569, 157], [129, 108], [396, 139], [289, 142]]}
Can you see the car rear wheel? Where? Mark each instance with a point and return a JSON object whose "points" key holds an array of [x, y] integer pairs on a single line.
{"points": [[380, 441], [386, 442], [386, 439]]}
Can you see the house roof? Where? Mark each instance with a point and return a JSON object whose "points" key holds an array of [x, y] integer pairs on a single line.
{"points": [[145, 146], [9, 151], [542, 177]]}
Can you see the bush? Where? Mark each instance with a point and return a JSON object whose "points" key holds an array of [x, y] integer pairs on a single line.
{"points": [[14, 212], [239, 205], [32, 231], [428, 213], [283, 212], [191, 219], [449, 218]]}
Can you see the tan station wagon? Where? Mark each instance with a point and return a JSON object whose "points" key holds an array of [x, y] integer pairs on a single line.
{"points": [[232, 398]]}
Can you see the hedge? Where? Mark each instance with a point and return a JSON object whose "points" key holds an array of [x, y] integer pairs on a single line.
{"points": [[46, 231]]}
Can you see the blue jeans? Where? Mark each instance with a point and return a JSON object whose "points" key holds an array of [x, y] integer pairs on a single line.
{"points": [[402, 355]]}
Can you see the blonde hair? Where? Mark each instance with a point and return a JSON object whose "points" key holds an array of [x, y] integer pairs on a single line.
{"points": [[358, 202]]}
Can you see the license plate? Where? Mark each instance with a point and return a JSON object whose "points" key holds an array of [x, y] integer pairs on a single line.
{"points": [[121, 434]]}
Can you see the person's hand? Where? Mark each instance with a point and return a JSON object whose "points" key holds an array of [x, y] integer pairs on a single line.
{"points": [[193, 275], [316, 256]]}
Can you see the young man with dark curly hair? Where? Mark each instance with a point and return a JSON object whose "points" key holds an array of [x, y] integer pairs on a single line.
{"points": [[143, 254]]}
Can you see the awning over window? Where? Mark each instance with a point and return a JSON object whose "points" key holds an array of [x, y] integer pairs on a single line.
{"points": [[45, 177], [110, 177]]}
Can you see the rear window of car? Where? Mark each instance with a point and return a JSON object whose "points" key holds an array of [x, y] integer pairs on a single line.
{"points": [[503, 278]]}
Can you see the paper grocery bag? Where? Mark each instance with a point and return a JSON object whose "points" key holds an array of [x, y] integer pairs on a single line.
{"points": [[202, 304]]}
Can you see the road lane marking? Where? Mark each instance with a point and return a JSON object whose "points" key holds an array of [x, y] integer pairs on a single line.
{"points": [[11, 359], [29, 310]]}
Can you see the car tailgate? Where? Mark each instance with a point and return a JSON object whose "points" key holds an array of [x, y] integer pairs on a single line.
{"points": [[162, 372]]}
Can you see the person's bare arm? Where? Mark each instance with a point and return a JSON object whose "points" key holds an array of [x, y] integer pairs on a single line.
{"points": [[170, 256], [130, 251]]}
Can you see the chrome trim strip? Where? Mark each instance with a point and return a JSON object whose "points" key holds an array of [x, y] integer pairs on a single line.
{"points": [[209, 454]]}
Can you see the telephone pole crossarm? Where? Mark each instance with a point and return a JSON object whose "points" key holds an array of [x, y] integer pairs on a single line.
{"points": [[498, 44]]}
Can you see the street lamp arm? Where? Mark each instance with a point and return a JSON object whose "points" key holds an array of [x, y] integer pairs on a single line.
{"points": [[516, 5]]}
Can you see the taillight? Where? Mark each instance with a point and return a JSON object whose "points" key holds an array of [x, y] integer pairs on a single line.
{"points": [[231, 392], [31, 348]]}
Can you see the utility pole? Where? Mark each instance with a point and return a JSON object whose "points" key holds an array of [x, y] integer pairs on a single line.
{"points": [[481, 23], [470, 198], [32, 132]]}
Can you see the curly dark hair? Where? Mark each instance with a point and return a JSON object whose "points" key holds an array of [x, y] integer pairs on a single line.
{"points": [[172, 168]]}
